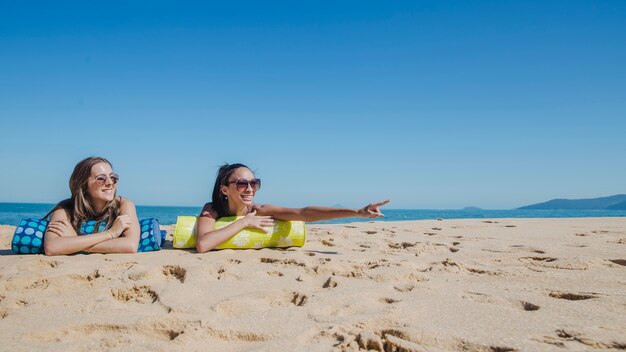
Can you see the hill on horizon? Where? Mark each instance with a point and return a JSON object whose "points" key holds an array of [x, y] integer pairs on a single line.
{"points": [[615, 202]]}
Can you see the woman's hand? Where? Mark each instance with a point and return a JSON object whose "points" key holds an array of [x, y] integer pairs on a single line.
{"points": [[258, 222], [61, 228], [372, 211], [120, 225]]}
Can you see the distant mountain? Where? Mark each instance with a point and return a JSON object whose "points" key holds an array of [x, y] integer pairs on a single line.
{"points": [[618, 206], [616, 202]]}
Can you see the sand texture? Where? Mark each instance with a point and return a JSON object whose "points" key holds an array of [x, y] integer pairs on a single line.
{"points": [[450, 285]]}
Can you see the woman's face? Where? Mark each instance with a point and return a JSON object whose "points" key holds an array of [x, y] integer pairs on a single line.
{"points": [[238, 195], [101, 183]]}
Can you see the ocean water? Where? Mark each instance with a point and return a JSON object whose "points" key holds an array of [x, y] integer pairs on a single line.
{"points": [[12, 213]]}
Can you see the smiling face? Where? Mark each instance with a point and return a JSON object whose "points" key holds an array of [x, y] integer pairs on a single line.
{"points": [[101, 185], [239, 199]]}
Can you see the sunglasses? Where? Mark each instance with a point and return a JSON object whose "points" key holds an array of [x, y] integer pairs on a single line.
{"points": [[102, 179], [242, 184]]}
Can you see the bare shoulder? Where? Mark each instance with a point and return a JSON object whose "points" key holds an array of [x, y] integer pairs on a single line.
{"points": [[208, 211], [60, 215], [126, 203]]}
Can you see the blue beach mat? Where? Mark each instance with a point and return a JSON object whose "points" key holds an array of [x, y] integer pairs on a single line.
{"points": [[28, 237]]}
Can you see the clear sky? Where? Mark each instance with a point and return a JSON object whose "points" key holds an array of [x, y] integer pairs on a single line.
{"points": [[433, 104]]}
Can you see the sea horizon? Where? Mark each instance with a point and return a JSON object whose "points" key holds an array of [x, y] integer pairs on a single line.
{"points": [[12, 213]]}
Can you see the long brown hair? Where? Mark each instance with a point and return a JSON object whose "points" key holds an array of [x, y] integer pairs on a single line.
{"points": [[219, 200], [79, 208]]}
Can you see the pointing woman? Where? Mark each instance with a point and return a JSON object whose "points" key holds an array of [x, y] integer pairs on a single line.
{"points": [[233, 194]]}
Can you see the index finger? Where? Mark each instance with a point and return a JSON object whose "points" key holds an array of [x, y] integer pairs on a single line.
{"points": [[380, 204]]}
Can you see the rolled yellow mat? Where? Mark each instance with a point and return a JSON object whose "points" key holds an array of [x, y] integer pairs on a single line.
{"points": [[283, 234]]}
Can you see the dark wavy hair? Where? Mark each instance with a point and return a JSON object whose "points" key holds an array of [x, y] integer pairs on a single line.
{"points": [[79, 208], [219, 200]]}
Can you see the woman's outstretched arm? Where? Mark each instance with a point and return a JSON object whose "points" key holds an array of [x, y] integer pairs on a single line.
{"points": [[313, 213]]}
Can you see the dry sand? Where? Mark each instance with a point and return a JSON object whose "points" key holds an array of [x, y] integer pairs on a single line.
{"points": [[452, 285]]}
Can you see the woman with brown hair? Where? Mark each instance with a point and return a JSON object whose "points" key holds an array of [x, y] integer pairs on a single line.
{"points": [[233, 194], [93, 186]]}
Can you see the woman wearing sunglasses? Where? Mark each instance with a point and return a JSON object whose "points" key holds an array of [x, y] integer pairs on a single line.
{"points": [[93, 187], [233, 194]]}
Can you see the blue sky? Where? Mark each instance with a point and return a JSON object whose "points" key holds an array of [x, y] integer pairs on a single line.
{"points": [[433, 104]]}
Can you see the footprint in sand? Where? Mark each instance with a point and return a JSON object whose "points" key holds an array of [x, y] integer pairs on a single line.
{"points": [[621, 262], [369, 341], [403, 245], [563, 336], [175, 271], [330, 283], [385, 340], [571, 296], [529, 307], [39, 284], [404, 288], [389, 300], [485, 298], [451, 266], [138, 275], [22, 303], [327, 243], [299, 299], [139, 294], [86, 277], [44, 264], [283, 261], [394, 340]]}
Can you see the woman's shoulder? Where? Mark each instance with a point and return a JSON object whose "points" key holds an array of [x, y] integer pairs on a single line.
{"points": [[208, 211], [125, 202], [63, 207]]}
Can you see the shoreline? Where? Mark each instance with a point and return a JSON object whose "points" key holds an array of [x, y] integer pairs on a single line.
{"points": [[379, 220], [418, 285], [167, 215]]}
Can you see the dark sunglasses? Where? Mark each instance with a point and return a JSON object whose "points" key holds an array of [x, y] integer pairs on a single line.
{"points": [[242, 184], [102, 179]]}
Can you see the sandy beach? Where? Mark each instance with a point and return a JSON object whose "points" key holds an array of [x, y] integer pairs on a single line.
{"points": [[450, 285]]}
